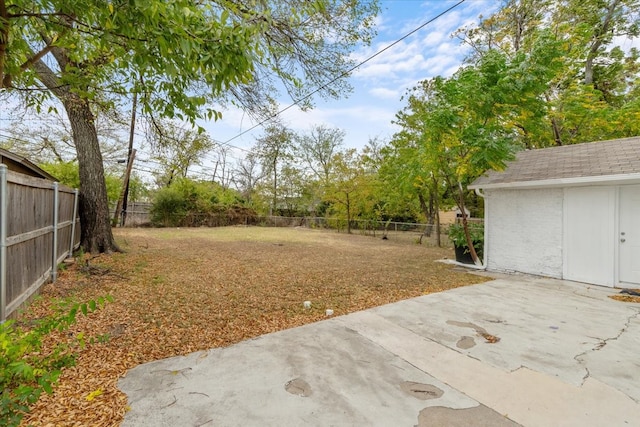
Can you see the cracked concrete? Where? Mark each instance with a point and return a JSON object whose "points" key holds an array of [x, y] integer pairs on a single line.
{"points": [[412, 362], [616, 361], [546, 323], [602, 342]]}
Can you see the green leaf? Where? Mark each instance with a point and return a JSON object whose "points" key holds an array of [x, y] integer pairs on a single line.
{"points": [[22, 370]]}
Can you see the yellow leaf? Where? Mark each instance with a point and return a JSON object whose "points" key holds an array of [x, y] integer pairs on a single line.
{"points": [[93, 395], [111, 7]]}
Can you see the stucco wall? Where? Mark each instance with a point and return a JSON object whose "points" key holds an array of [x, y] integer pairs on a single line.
{"points": [[524, 231]]}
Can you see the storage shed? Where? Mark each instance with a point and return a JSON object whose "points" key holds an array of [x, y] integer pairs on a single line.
{"points": [[23, 165], [570, 212]]}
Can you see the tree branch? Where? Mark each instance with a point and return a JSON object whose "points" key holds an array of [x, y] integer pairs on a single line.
{"points": [[37, 15], [36, 57], [49, 79]]}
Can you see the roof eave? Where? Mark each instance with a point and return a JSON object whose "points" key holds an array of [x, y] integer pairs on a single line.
{"points": [[27, 164], [618, 179]]}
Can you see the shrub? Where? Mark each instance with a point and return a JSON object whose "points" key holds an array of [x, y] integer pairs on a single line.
{"points": [[169, 208], [190, 203], [24, 371]]}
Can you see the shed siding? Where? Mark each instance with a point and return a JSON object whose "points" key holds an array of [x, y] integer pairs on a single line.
{"points": [[589, 225], [525, 231]]}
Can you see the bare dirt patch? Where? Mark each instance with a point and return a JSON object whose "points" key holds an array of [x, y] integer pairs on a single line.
{"points": [[181, 290]]}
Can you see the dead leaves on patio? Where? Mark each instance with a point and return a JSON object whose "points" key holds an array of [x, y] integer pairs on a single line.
{"points": [[179, 291], [625, 298]]}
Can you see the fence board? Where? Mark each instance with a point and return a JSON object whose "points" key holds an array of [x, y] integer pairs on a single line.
{"points": [[28, 234]]}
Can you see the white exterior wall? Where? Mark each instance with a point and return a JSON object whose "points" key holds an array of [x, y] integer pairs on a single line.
{"points": [[524, 231]]}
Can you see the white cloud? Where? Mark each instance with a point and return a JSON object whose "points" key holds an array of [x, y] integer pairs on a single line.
{"points": [[360, 122], [380, 83], [384, 93], [430, 50]]}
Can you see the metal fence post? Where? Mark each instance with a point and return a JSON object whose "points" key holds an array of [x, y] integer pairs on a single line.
{"points": [[3, 242], [73, 224], [54, 265]]}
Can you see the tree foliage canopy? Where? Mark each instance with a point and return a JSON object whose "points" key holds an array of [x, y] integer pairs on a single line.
{"points": [[180, 56], [540, 73]]}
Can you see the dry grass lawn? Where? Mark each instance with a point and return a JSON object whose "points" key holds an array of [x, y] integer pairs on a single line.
{"points": [[181, 290]]}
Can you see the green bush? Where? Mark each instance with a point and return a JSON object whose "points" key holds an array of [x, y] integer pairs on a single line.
{"points": [[192, 203], [24, 372], [169, 208], [68, 173]]}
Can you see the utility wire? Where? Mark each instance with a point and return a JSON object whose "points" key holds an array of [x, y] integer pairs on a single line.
{"points": [[343, 74]]}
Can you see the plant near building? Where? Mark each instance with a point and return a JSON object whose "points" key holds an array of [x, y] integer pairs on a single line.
{"points": [[459, 239]]}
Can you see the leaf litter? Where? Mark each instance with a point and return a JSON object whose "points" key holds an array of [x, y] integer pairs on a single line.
{"points": [[178, 291]]}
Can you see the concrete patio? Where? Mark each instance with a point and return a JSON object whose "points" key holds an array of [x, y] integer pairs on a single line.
{"points": [[514, 351]]}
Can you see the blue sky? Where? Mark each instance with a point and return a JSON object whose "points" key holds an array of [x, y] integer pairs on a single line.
{"points": [[379, 84]]}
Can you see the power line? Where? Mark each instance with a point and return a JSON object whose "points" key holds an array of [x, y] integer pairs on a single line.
{"points": [[343, 74]]}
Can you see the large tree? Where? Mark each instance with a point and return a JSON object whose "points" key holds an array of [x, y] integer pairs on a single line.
{"points": [[350, 187], [247, 175], [592, 91], [178, 55], [317, 149], [464, 125], [274, 150]]}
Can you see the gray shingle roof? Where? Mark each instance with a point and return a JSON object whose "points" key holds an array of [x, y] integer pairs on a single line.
{"points": [[594, 159]]}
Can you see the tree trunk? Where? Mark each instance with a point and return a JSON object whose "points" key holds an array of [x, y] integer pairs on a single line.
{"points": [[465, 225], [427, 211], [437, 210], [601, 31], [348, 206], [96, 233], [557, 137]]}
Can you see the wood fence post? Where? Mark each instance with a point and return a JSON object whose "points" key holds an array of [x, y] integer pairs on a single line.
{"points": [[3, 242], [73, 224], [54, 265]]}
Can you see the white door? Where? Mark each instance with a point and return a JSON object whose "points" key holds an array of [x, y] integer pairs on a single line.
{"points": [[629, 235], [589, 235]]}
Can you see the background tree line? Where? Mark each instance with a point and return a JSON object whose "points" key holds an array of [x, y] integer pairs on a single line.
{"points": [[539, 73]]}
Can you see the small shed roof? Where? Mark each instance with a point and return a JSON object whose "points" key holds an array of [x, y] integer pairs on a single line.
{"points": [[613, 161], [23, 165]]}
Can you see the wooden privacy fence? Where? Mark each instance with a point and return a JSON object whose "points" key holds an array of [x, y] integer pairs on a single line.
{"points": [[39, 228]]}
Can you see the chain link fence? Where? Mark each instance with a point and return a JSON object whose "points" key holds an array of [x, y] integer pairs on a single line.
{"points": [[138, 216]]}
